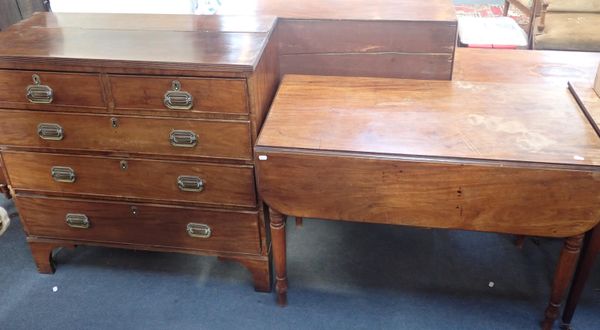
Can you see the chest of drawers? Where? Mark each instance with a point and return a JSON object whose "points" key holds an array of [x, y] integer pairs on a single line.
{"points": [[137, 132]]}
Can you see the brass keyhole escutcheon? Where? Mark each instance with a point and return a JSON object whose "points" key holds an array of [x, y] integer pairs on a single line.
{"points": [[134, 210], [123, 165], [114, 122]]}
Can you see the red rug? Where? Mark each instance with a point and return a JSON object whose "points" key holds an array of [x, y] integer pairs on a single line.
{"points": [[490, 11]]}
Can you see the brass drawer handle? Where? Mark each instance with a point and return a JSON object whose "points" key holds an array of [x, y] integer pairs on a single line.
{"points": [[63, 174], [48, 131], [198, 230], [38, 93], [190, 183], [185, 139], [77, 220], [176, 99]]}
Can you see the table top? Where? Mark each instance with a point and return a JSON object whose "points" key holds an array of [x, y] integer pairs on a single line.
{"points": [[455, 120], [185, 42], [396, 10], [525, 66]]}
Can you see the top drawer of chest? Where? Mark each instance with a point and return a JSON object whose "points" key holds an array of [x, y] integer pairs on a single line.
{"points": [[177, 96], [48, 90]]}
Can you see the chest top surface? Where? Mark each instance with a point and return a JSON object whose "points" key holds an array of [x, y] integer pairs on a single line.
{"points": [[431, 119], [187, 42], [394, 10]]}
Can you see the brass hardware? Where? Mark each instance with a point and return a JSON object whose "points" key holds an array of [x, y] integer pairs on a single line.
{"points": [[49, 131], [114, 122], [77, 220], [176, 99], [181, 138], [63, 174], [134, 210], [190, 183], [38, 93], [123, 165], [198, 230]]}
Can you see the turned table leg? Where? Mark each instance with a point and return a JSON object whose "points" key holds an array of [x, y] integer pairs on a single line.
{"points": [[590, 251], [564, 272], [279, 255]]}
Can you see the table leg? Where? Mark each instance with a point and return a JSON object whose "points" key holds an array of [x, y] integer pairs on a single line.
{"points": [[279, 255], [589, 254], [564, 272]]}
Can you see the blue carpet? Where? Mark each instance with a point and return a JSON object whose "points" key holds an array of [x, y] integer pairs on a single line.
{"points": [[342, 276]]}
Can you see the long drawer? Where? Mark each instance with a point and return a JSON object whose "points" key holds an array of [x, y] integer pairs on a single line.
{"points": [[189, 137], [215, 184], [179, 94], [178, 227], [47, 90]]}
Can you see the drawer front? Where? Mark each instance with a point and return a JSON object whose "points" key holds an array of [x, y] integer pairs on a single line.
{"points": [[48, 90], [189, 137], [141, 224], [180, 94], [213, 184]]}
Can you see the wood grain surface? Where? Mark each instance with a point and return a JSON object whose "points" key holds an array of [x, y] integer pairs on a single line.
{"points": [[141, 224], [450, 120], [123, 47], [209, 95], [144, 179], [139, 135], [392, 190], [540, 67]]}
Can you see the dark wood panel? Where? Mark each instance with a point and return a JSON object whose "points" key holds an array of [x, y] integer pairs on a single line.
{"points": [[68, 89], [141, 135], [141, 224], [391, 65], [503, 199], [328, 36], [210, 95], [226, 185], [103, 48], [262, 86]]}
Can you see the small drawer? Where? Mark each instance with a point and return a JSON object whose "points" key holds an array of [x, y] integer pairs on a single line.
{"points": [[50, 90], [167, 226], [174, 137], [182, 95], [213, 184]]}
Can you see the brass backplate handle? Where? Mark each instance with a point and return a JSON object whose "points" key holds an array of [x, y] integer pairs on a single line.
{"points": [[190, 183], [63, 174], [176, 99], [38, 93], [75, 220], [185, 139], [198, 230], [49, 131]]}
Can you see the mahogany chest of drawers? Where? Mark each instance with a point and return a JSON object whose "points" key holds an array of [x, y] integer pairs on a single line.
{"points": [[136, 131]]}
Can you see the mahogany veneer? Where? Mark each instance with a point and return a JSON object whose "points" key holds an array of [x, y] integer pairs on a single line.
{"points": [[460, 155], [136, 131], [381, 38]]}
